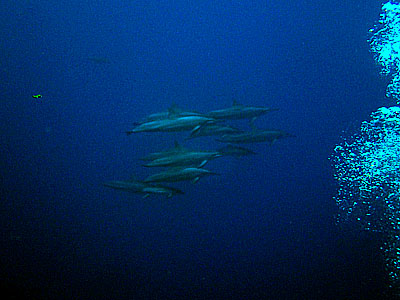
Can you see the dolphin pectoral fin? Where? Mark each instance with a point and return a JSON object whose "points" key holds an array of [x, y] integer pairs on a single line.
{"points": [[195, 180], [272, 142], [195, 130], [170, 195], [203, 163], [146, 196]]}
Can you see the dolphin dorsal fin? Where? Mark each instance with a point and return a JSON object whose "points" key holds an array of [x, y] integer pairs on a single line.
{"points": [[253, 126], [174, 110], [177, 145], [235, 103]]}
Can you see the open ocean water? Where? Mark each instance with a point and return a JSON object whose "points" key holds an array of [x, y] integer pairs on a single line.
{"points": [[262, 229]]}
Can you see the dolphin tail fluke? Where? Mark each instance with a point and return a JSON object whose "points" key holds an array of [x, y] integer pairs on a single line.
{"points": [[128, 133]]}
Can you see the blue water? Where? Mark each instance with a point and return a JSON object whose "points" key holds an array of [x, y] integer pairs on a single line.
{"points": [[264, 229]]}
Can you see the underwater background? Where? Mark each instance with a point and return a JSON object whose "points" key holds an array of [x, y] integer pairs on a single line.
{"points": [[264, 229]]}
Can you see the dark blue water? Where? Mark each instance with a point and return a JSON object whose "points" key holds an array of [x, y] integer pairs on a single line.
{"points": [[264, 229]]}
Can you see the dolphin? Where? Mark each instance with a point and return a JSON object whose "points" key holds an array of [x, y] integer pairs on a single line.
{"points": [[172, 151], [188, 158], [179, 174], [255, 136], [172, 112], [232, 150], [239, 111], [213, 129], [140, 187], [176, 124]]}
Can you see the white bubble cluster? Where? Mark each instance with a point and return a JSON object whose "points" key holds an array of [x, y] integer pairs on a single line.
{"points": [[367, 170], [367, 165], [385, 44]]}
